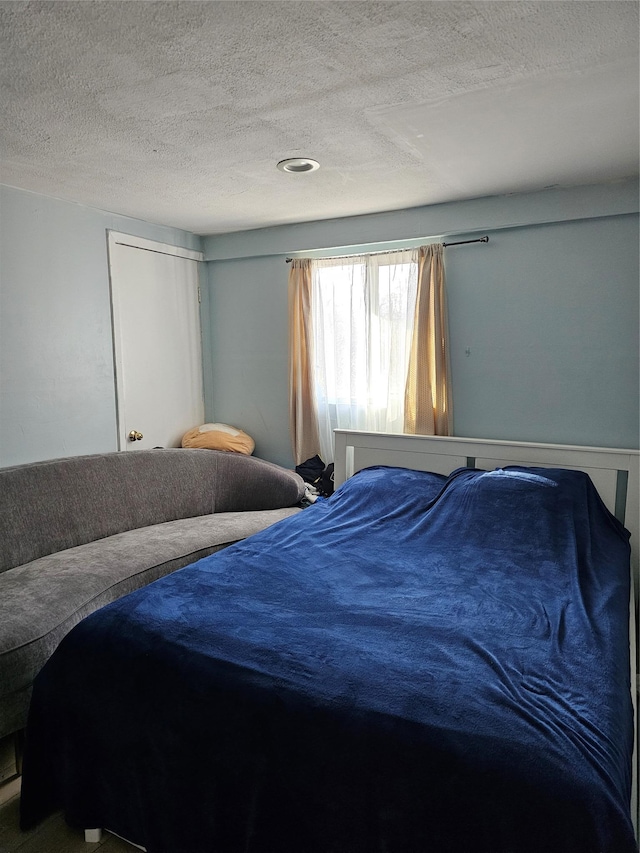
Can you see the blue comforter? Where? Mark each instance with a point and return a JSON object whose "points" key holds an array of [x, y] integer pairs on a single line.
{"points": [[417, 664]]}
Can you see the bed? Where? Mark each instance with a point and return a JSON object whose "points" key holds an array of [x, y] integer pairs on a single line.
{"points": [[437, 658]]}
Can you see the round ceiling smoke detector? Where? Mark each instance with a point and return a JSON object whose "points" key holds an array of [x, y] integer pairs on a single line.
{"points": [[297, 165]]}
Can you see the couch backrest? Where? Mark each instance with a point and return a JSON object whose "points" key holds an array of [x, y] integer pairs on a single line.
{"points": [[48, 506]]}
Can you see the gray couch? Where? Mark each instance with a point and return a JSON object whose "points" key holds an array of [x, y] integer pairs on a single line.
{"points": [[80, 532]]}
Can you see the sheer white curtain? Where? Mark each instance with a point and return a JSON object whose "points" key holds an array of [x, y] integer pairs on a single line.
{"points": [[363, 314]]}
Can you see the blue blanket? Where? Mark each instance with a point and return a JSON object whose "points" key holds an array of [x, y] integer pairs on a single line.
{"points": [[417, 664]]}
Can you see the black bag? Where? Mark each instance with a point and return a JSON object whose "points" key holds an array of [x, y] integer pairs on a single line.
{"points": [[313, 471], [326, 481]]}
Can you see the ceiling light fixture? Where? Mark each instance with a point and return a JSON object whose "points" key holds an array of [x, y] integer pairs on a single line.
{"points": [[297, 165]]}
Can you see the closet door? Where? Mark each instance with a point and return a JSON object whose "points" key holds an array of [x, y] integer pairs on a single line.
{"points": [[156, 341]]}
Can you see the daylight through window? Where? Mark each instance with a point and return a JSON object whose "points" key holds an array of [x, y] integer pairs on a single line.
{"points": [[363, 314]]}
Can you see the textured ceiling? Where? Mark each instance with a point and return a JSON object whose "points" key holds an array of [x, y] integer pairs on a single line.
{"points": [[177, 112]]}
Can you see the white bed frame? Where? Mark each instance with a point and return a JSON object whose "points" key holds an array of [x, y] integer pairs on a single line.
{"points": [[615, 473]]}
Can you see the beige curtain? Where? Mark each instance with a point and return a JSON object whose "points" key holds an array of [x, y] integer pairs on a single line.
{"points": [[427, 400], [303, 418]]}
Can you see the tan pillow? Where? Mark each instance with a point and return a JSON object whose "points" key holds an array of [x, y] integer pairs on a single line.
{"points": [[219, 437]]}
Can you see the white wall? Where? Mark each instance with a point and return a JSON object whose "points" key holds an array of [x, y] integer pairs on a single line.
{"points": [[57, 392]]}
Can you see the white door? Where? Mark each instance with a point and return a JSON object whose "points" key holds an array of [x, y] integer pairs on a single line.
{"points": [[156, 341]]}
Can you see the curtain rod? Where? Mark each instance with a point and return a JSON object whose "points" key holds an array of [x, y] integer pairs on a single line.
{"points": [[484, 239]]}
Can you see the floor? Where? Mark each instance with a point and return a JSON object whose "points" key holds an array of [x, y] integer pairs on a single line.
{"points": [[53, 835]]}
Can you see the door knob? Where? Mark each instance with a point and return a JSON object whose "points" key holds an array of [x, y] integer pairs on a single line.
{"points": [[134, 435]]}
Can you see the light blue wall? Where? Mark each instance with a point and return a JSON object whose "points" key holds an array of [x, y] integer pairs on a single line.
{"points": [[57, 394], [548, 310], [249, 363], [550, 316]]}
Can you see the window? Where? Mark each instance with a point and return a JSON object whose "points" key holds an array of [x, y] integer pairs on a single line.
{"points": [[367, 347], [362, 318]]}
